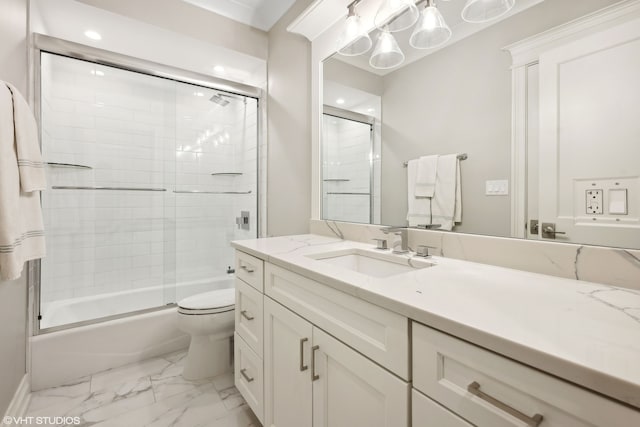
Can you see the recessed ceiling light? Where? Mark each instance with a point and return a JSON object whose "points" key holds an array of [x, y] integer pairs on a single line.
{"points": [[93, 35], [339, 101], [198, 93], [218, 69], [370, 110], [97, 73]]}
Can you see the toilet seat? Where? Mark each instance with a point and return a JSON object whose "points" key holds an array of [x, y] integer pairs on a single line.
{"points": [[212, 302]]}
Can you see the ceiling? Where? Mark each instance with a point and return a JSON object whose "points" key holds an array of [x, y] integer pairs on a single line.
{"points": [[261, 14]]}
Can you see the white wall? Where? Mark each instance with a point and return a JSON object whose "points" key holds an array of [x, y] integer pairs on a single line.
{"points": [[459, 100], [289, 128], [13, 294], [173, 45], [185, 18]]}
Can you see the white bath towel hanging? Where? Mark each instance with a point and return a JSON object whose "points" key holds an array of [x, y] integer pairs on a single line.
{"points": [[447, 200], [21, 178], [426, 176], [418, 208]]}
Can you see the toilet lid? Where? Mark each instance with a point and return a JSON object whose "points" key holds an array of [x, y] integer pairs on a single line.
{"points": [[214, 299]]}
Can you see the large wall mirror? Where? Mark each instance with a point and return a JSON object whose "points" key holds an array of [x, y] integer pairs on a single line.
{"points": [[453, 108]]}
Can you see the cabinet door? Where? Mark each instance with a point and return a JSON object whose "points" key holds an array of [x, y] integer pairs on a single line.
{"points": [[427, 413], [287, 346], [350, 390]]}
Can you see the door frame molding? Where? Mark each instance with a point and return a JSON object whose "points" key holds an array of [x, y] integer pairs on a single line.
{"points": [[526, 53]]}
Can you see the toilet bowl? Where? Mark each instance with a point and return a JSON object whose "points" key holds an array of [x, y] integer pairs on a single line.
{"points": [[209, 319]]}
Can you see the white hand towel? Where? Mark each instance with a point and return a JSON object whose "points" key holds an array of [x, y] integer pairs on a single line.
{"points": [[21, 227], [26, 139], [418, 209], [447, 201], [426, 176]]}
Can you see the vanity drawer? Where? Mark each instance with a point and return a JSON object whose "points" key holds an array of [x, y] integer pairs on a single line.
{"points": [[489, 390], [379, 334], [427, 413], [250, 269], [248, 314], [249, 376]]}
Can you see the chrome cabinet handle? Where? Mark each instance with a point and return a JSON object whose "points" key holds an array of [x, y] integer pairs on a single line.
{"points": [[303, 367], [243, 372], [314, 376], [474, 388], [247, 269], [246, 316]]}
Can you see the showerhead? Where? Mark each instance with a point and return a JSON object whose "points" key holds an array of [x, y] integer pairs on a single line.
{"points": [[218, 99]]}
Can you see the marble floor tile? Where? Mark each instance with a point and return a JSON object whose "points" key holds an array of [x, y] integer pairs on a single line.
{"points": [[149, 393]]}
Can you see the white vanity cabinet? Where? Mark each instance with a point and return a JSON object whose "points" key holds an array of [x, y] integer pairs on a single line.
{"points": [[311, 378], [487, 389]]}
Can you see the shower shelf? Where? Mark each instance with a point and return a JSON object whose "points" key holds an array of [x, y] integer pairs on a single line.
{"points": [[67, 165], [349, 194], [226, 174], [336, 180], [65, 187], [211, 192]]}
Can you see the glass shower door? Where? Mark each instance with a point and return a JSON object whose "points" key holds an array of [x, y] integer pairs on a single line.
{"points": [[215, 185], [147, 177]]}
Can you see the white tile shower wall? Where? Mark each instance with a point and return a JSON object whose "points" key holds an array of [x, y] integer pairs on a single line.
{"points": [[138, 131], [347, 156]]}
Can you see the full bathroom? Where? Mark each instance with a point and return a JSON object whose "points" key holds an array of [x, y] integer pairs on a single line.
{"points": [[317, 212]]}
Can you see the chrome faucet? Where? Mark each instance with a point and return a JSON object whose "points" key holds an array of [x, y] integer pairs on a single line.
{"points": [[401, 231]]}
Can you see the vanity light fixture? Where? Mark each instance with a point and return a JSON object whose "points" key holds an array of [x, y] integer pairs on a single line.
{"points": [[431, 31], [396, 15], [387, 53], [478, 11], [354, 39]]}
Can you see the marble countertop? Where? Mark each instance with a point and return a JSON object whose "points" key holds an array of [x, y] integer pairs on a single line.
{"points": [[583, 332]]}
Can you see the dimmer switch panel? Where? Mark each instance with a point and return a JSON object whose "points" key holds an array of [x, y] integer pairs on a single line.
{"points": [[594, 202]]}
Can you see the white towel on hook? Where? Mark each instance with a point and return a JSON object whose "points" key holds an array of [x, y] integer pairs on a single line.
{"points": [[447, 200], [426, 176], [21, 178], [418, 208]]}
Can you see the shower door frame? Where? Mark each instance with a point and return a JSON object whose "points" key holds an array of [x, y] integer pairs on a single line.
{"points": [[339, 113], [41, 43]]}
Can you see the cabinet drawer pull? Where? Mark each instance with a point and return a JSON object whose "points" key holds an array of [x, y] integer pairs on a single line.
{"points": [[246, 316], [474, 388], [243, 372], [247, 268], [303, 367], [314, 376]]}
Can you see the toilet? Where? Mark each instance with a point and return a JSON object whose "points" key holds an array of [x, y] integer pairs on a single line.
{"points": [[209, 319]]}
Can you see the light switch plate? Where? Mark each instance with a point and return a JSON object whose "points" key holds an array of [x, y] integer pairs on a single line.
{"points": [[618, 201], [594, 201], [497, 187]]}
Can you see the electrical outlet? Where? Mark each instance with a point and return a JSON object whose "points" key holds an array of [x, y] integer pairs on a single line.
{"points": [[594, 202]]}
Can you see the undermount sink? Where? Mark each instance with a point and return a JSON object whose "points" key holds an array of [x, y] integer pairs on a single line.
{"points": [[371, 263]]}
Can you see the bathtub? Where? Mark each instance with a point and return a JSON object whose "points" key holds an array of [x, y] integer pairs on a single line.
{"points": [[63, 356], [81, 309]]}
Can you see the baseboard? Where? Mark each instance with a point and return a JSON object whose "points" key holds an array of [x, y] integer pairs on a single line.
{"points": [[20, 402]]}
